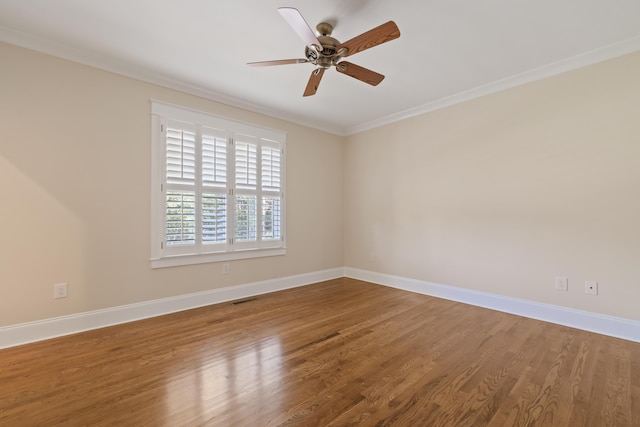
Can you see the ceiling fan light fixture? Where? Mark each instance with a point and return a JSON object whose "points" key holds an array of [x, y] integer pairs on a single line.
{"points": [[324, 51]]}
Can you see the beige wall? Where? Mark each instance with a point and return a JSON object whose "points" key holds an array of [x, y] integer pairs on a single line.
{"points": [[502, 193], [75, 193], [499, 194]]}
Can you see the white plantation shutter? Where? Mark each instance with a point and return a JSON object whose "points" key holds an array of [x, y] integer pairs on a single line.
{"points": [[214, 158], [180, 169], [181, 156], [214, 186], [220, 188], [271, 220], [246, 217], [270, 168], [246, 208], [181, 218], [214, 218], [246, 163]]}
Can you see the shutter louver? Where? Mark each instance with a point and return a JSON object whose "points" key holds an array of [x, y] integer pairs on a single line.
{"points": [[271, 218], [180, 218], [246, 165], [214, 218], [181, 157], [246, 218], [270, 169], [214, 161]]}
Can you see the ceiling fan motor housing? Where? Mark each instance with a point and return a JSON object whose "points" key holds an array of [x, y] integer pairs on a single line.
{"points": [[329, 55]]}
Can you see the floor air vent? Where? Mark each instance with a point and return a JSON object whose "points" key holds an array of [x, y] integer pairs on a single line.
{"points": [[244, 300]]}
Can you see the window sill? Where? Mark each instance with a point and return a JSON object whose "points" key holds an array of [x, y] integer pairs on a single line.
{"points": [[178, 260]]}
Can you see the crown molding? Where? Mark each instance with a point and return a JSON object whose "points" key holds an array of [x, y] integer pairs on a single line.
{"points": [[573, 63], [60, 50]]}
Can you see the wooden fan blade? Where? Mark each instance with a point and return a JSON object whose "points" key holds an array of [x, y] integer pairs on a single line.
{"points": [[381, 34], [360, 73], [296, 21], [277, 62], [314, 82]]}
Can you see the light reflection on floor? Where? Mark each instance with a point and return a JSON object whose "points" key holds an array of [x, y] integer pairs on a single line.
{"points": [[252, 373]]}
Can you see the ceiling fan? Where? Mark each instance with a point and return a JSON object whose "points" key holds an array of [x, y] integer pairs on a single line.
{"points": [[324, 51]]}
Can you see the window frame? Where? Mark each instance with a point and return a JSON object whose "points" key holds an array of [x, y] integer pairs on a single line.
{"points": [[163, 255]]}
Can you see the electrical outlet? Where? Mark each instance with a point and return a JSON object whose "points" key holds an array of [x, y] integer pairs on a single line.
{"points": [[372, 257], [591, 287], [562, 283], [60, 290], [225, 268]]}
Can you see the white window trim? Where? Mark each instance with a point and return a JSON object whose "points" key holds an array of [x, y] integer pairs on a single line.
{"points": [[161, 111]]}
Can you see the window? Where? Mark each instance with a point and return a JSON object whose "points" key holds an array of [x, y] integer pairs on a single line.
{"points": [[217, 188]]}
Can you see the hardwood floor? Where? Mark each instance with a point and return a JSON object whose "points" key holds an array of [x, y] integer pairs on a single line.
{"points": [[336, 353]]}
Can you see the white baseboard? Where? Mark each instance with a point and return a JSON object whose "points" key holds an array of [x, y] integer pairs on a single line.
{"points": [[24, 333], [593, 322]]}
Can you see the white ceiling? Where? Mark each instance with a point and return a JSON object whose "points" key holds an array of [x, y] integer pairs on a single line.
{"points": [[448, 51]]}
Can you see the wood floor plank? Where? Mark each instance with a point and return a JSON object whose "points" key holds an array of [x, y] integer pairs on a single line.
{"points": [[336, 353]]}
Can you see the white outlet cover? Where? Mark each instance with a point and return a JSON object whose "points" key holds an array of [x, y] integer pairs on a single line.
{"points": [[591, 287], [562, 283], [60, 290]]}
